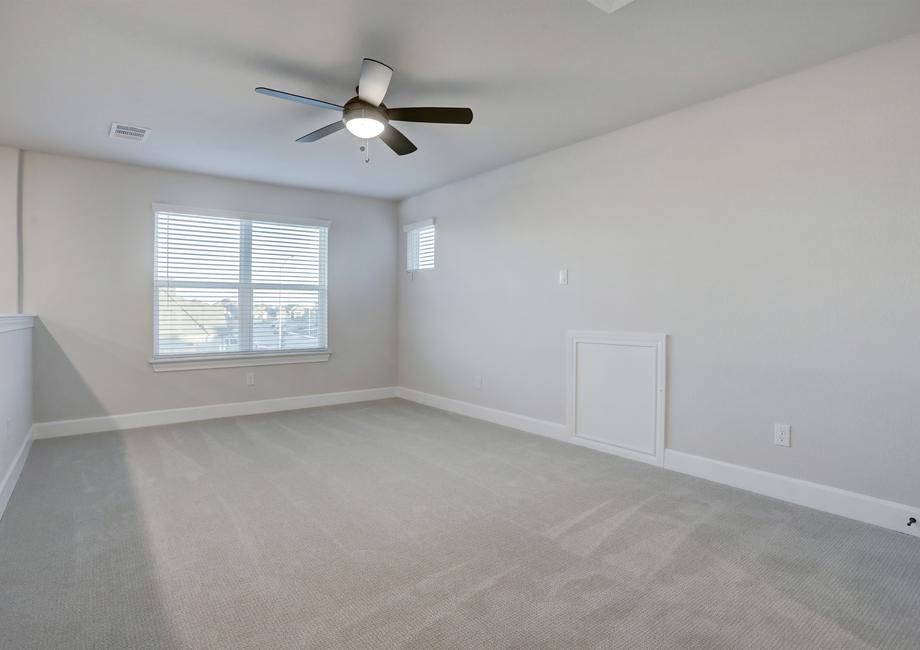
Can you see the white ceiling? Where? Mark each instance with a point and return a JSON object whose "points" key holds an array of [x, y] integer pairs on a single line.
{"points": [[538, 74]]}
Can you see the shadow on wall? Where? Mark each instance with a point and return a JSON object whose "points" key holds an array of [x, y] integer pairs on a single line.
{"points": [[76, 566], [57, 383]]}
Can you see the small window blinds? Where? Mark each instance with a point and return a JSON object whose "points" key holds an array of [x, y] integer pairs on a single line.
{"points": [[420, 245]]}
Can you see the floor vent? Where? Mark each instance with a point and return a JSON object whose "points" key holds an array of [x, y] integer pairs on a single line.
{"points": [[127, 132]]}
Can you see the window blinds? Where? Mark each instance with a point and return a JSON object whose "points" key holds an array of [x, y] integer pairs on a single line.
{"points": [[420, 244], [229, 286]]}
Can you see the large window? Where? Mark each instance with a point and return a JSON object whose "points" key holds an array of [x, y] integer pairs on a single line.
{"points": [[227, 286], [420, 241]]}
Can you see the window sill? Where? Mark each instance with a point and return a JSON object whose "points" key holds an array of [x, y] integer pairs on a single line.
{"points": [[237, 361]]}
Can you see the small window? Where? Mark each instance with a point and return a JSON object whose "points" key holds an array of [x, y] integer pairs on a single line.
{"points": [[229, 286], [420, 243]]}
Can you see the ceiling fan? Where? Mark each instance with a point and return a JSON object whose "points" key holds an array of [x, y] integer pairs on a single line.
{"points": [[366, 116]]}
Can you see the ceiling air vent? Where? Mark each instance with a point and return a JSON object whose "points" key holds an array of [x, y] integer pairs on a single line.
{"points": [[609, 6], [128, 132]]}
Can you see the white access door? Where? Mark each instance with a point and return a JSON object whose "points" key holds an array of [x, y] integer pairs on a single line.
{"points": [[617, 392]]}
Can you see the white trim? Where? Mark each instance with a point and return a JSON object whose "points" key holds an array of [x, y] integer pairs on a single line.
{"points": [[12, 474], [545, 428], [852, 505], [415, 225], [616, 450], [861, 507], [208, 412], [655, 340], [198, 211], [504, 418], [13, 322], [871, 510], [175, 364]]}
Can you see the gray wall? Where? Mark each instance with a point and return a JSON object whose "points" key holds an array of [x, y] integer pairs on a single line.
{"points": [[9, 238], [88, 256], [774, 234]]}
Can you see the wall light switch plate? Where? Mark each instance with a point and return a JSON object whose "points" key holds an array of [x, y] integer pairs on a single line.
{"points": [[250, 379], [564, 277], [782, 435]]}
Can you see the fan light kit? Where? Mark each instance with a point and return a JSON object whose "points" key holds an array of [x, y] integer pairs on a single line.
{"points": [[367, 117], [364, 127], [363, 121]]}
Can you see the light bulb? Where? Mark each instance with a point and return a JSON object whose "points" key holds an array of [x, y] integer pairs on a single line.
{"points": [[364, 127]]}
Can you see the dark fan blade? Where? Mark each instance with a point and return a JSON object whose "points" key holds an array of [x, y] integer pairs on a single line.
{"points": [[309, 101], [431, 114], [329, 129], [397, 141], [374, 81]]}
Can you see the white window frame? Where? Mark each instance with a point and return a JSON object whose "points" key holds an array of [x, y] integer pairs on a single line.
{"points": [[170, 363], [409, 228]]}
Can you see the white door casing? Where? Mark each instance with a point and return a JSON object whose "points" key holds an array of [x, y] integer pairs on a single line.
{"points": [[616, 392]]}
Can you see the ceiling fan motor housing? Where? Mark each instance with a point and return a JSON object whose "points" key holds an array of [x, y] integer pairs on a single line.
{"points": [[357, 109]]}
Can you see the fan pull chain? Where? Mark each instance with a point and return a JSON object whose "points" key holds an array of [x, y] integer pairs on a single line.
{"points": [[367, 151]]}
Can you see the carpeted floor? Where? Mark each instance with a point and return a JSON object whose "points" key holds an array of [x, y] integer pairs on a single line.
{"points": [[388, 524]]}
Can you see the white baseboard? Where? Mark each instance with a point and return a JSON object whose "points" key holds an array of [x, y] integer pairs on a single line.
{"points": [[208, 412], [852, 505], [504, 418], [860, 507], [12, 474], [526, 423]]}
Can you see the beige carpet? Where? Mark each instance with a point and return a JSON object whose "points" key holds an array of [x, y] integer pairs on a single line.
{"points": [[389, 525]]}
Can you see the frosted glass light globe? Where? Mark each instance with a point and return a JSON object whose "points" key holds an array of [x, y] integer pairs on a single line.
{"points": [[364, 127]]}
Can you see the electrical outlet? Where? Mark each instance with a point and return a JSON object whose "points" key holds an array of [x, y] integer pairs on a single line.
{"points": [[250, 379], [477, 381], [782, 435], [910, 524]]}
